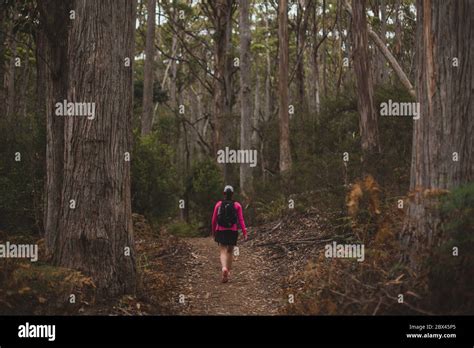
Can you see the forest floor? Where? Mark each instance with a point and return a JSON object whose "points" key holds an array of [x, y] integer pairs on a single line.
{"points": [[250, 290], [280, 270], [262, 271], [182, 276]]}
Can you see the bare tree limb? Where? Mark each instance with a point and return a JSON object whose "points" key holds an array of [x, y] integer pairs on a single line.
{"points": [[388, 55]]}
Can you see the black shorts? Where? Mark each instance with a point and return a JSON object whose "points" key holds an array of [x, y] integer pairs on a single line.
{"points": [[226, 237]]}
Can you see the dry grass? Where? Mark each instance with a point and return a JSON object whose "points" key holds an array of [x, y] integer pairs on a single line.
{"points": [[372, 287]]}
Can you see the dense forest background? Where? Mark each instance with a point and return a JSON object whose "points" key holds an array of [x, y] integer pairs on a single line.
{"points": [[300, 82]]}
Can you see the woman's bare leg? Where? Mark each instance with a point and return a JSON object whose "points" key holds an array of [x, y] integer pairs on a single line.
{"points": [[229, 250], [223, 255]]}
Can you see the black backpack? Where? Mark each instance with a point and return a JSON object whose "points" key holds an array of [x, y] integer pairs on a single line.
{"points": [[227, 214]]}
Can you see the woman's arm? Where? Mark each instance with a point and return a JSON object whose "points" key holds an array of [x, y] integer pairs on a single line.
{"points": [[240, 216], [214, 218]]}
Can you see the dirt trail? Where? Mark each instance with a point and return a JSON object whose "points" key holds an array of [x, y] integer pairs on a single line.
{"points": [[249, 291]]}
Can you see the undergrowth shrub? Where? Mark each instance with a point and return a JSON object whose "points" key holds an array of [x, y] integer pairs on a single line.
{"points": [[451, 265]]}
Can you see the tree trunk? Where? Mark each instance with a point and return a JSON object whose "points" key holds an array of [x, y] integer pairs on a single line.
{"points": [[285, 154], [445, 127], [245, 98], [11, 75], [96, 237], [398, 30], [173, 65], [388, 55], [223, 73], [379, 66], [24, 83], [3, 28], [304, 7], [323, 51], [314, 81], [52, 65], [367, 115], [268, 73], [174, 72], [256, 113], [383, 35], [147, 117]]}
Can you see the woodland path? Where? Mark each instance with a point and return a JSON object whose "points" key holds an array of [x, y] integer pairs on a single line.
{"points": [[248, 292]]}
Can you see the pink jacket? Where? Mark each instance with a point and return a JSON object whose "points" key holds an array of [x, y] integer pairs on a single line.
{"points": [[240, 217]]}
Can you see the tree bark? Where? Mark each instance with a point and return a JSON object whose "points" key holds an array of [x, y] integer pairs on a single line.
{"points": [[304, 8], [368, 125], [285, 153], [223, 72], [380, 71], [11, 76], [246, 186], [383, 34], [148, 75], [268, 72], [323, 51], [389, 56], [96, 236], [398, 30], [52, 65], [256, 113], [444, 32], [3, 28], [314, 82]]}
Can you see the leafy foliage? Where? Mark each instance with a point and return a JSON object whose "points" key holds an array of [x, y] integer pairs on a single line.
{"points": [[154, 190], [205, 186]]}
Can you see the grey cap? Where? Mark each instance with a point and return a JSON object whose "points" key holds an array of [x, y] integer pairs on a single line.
{"points": [[228, 188]]}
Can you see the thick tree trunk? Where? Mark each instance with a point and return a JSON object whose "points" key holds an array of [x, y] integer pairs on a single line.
{"points": [[219, 67], [52, 65], [368, 126], [223, 72], [285, 153], [229, 92], [245, 98], [446, 124], [3, 28], [148, 74], [96, 236]]}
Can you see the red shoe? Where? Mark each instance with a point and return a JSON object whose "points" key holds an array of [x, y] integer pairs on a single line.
{"points": [[225, 275]]}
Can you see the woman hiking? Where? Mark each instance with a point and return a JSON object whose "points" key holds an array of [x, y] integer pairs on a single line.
{"points": [[224, 228]]}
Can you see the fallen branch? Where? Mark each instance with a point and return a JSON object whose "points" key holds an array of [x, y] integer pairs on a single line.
{"points": [[297, 241], [419, 310], [276, 226], [377, 307]]}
